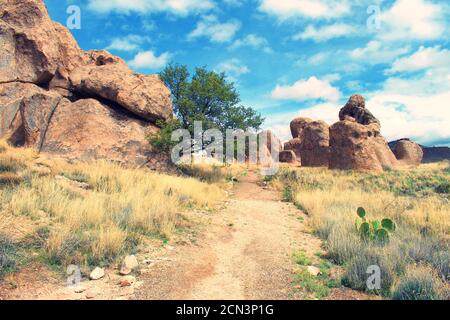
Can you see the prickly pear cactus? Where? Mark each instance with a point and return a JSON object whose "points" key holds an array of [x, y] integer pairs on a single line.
{"points": [[374, 230]]}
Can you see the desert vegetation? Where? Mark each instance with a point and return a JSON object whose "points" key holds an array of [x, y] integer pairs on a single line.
{"points": [[415, 259], [92, 213]]}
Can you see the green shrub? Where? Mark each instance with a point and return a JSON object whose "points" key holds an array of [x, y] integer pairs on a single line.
{"points": [[301, 258], [356, 274], [8, 255], [420, 283]]}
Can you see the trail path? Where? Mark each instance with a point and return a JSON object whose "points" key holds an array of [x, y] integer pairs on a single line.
{"points": [[244, 253]]}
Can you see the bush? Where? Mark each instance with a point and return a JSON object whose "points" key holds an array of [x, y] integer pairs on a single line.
{"points": [[8, 250], [421, 283], [356, 275]]}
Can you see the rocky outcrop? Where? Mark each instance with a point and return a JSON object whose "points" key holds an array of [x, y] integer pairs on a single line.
{"points": [[408, 152], [294, 145], [297, 126], [60, 99], [288, 156], [315, 144], [430, 154], [356, 109], [356, 143]]}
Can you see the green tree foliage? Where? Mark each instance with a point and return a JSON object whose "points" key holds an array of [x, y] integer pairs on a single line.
{"points": [[208, 97]]}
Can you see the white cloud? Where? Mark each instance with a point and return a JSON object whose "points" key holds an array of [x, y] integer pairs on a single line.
{"points": [[252, 41], [233, 68], [424, 119], [286, 9], [130, 42], [375, 52], [424, 58], [412, 19], [310, 89], [148, 60], [325, 33], [210, 27], [177, 7]]}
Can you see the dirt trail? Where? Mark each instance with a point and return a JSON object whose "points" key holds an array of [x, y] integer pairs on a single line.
{"points": [[243, 253]]}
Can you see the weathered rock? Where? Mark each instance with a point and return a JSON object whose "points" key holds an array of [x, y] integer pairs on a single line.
{"points": [[294, 145], [97, 274], [129, 264], [288, 156], [33, 46], [315, 144], [127, 281], [145, 96], [25, 111], [354, 146], [297, 126], [408, 152], [356, 108], [41, 65], [314, 271], [88, 129]]}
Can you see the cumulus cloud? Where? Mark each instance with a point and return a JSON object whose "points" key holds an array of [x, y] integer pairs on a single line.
{"points": [[131, 42], [413, 19], [309, 89], [148, 60], [433, 57], [287, 9], [327, 32], [210, 27], [375, 52], [252, 41], [233, 68], [177, 7]]}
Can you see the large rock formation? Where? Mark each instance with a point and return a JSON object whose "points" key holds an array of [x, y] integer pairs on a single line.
{"points": [[288, 156], [297, 126], [356, 142], [60, 99], [294, 145], [315, 144], [408, 152], [430, 154], [310, 143]]}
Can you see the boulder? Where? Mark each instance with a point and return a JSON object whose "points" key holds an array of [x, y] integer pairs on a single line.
{"points": [[315, 144], [33, 46], [294, 145], [97, 274], [354, 146], [145, 96], [87, 129], [408, 152], [61, 99], [356, 109], [297, 126], [129, 264], [288, 156], [25, 111]]}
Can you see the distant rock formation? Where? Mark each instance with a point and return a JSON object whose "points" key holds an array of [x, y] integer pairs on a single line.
{"points": [[288, 156], [310, 143], [294, 145], [430, 154], [356, 109], [63, 100], [408, 152]]}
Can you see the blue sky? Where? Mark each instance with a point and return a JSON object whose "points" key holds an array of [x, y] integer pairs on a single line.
{"points": [[293, 58]]}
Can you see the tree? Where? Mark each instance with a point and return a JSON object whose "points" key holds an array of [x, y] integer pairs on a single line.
{"points": [[208, 97]]}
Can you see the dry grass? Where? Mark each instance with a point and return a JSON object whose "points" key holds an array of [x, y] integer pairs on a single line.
{"points": [[96, 211], [413, 198]]}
